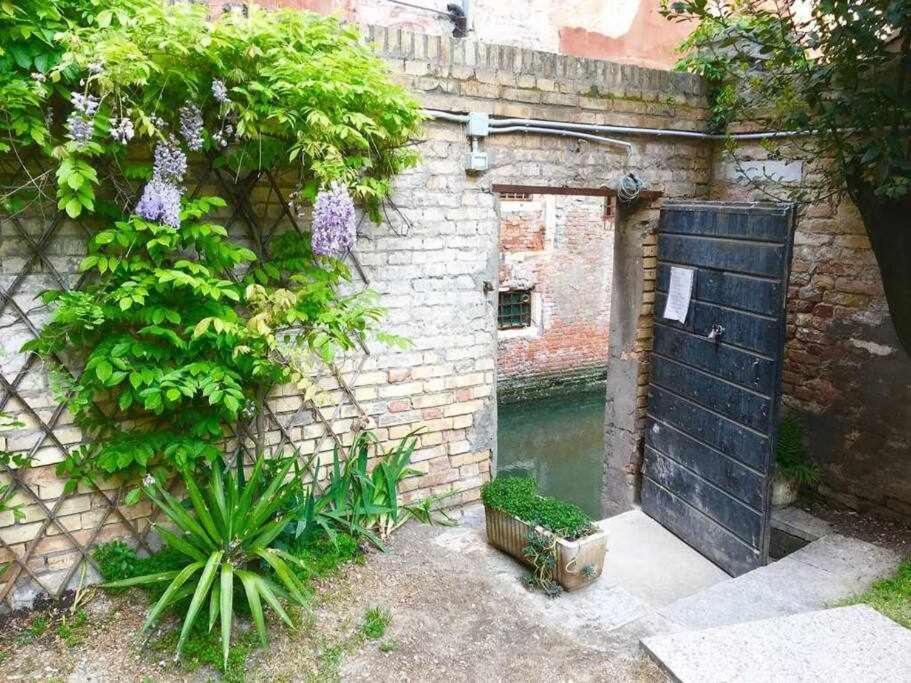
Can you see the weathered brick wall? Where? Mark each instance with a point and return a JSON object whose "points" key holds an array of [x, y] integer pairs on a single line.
{"points": [[434, 264], [844, 370], [561, 249]]}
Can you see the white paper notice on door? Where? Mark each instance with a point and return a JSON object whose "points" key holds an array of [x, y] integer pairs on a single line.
{"points": [[679, 293]]}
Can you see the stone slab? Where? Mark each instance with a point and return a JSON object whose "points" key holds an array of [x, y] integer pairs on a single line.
{"points": [[800, 523], [852, 644], [820, 575], [651, 563]]}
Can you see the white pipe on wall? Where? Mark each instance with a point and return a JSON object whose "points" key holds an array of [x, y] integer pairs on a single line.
{"points": [[512, 123]]}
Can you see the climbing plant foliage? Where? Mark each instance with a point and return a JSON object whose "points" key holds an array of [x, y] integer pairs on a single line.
{"points": [[839, 73], [181, 331]]}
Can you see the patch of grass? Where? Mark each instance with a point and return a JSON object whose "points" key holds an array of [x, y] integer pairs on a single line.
{"points": [[892, 596], [203, 648], [323, 555], [388, 646], [70, 629], [3, 656], [118, 561], [376, 620], [519, 496], [34, 630]]}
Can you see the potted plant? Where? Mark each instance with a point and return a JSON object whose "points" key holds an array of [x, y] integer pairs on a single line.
{"points": [[561, 544], [793, 467]]}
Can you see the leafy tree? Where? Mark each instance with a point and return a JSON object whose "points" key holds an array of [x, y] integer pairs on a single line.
{"points": [[839, 70]]}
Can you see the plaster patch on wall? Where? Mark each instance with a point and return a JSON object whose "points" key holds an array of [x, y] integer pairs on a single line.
{"points": [[612, 18], [780, 171], [872, 347]]}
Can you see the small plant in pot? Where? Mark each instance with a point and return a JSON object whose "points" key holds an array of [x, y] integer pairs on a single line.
{"points": [[560, 543], [793, 467]]}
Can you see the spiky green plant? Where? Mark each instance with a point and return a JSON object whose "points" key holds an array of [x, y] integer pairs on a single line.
{"points": [[361, 501], [226, 534]]}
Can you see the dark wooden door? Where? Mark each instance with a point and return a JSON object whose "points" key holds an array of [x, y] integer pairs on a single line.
{"points": [[713, 396]]}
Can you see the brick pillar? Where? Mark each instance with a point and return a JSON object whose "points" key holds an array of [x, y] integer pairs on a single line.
{"points": [[633, 296]]}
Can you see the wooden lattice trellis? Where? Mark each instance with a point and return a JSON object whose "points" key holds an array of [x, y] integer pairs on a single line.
{"points": [[258, 210]]}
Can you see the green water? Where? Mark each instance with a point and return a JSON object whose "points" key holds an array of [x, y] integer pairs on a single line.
{"points": [[558, 440]]}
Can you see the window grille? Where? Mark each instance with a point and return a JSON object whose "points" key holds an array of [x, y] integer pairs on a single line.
{"points": [[515, 196], [514, 309]]}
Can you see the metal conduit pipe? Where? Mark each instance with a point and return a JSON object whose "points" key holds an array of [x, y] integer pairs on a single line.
{"points": [[566, 133], [500, 124]]}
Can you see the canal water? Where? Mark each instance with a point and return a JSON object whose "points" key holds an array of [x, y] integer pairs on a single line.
{"points": [[558, 440]]}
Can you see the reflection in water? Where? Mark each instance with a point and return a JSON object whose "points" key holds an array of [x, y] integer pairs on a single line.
{"points": [[558, 440]]}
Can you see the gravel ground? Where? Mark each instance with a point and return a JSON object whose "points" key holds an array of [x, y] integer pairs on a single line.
{"points": [[867, 526], [450, 622]]}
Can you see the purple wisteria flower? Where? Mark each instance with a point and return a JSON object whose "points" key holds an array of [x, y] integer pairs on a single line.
{"points": [[223, 136], [334, 230], [170, 162], [191, 126], [80, 124], [123, 132], [220, 91], [160, 199], [84, 104], [80, 127]]}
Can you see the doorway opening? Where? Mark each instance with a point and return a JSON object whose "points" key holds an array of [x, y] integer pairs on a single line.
{"points": [[555, 269]]}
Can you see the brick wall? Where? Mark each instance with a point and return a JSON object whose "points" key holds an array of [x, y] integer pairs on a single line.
{"points": [[429, 263], [561, 249], [844, 370]]}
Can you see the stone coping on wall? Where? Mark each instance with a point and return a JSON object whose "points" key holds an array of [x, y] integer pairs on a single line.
{"points": [[467, 75]]}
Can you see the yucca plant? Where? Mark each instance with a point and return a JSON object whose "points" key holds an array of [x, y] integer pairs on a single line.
{"points": [[226, 533]]}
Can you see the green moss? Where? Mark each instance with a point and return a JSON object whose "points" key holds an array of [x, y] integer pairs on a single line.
{"points": [[519, 496], [892, 596]]}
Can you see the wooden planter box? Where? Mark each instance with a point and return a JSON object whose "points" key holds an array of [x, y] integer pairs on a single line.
{"points": [[508, 533]]}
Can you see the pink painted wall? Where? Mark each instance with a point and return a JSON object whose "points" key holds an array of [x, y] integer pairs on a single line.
{"points": [[627, 31]]}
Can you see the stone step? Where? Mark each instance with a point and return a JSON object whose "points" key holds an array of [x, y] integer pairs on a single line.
{"points": [[852, 644], [817, 576]]}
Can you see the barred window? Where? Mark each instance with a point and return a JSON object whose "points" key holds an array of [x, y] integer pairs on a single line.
{"points": [[515, 196], [514, 309]]}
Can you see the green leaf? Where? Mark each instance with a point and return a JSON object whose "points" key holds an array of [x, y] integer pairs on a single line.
{"points": [[227, 610], [179, 580], [73, 207], [104, 370], [253, 600], [199, 596], [289, 581], [141, 580]]}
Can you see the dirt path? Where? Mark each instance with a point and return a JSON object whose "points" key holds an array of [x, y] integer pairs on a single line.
{"points": [[452, 619]]}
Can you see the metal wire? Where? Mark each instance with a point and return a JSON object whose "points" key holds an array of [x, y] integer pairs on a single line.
{"points": [[629, 187]]}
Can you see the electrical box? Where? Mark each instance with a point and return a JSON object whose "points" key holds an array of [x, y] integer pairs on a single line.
{"points": [[478, 124], [477, 162]]}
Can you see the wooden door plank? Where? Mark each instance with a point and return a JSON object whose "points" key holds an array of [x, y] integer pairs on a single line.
{"points": [[753, 294], [712, 465], [712, 539], [753, 372], [749, 331], [711, 501], [722, 254], [734, 440], [745, 407]]}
